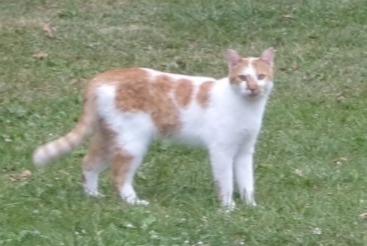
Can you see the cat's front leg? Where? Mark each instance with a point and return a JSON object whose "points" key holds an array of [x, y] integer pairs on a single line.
{"points": [[244, 172], [223, 177]]}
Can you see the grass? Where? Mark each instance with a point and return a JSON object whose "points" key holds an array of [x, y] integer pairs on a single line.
{"points": [[311, 156]]}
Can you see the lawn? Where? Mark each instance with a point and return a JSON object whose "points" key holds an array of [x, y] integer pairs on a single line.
{"points": [[311, 160]]}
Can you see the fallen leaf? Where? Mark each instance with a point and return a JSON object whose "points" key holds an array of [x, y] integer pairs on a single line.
{"points": [[25, 174], [48, 30], [40, 55], [299, 172]]}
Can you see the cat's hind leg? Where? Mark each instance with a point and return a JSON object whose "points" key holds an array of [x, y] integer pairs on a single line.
{"points": [[127, 159], [96, 160]]}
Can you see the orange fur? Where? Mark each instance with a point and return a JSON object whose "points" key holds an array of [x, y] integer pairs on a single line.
{"points": [[203, 95], [137, 92], [183, 92], [263, 68], [236, 71]]}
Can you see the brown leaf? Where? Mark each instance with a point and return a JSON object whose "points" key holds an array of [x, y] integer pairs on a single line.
{"points": [[40, 55], [48, 30], [25, 174]]}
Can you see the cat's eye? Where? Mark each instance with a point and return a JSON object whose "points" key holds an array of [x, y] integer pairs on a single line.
{"points": [[261, 76], [242, 77]]}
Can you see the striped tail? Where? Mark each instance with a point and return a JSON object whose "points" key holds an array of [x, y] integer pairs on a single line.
{"points": [[84, 128]]}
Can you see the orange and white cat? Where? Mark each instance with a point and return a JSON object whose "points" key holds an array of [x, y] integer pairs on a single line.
{"points": [[124, 110]]}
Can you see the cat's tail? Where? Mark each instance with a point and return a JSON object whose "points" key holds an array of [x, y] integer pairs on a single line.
{"points": [[44, 154]]}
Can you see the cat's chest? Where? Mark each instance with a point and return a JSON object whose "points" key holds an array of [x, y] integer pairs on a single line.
{"points": [[215, 125], [235, 123], [238, 116], [239, 124]]}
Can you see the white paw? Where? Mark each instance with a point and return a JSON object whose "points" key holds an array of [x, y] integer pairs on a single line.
{"points": [[93, 193], [136, 201], [133, 199], [251, 203], [228, 206], [141, 202], [249, 198]]}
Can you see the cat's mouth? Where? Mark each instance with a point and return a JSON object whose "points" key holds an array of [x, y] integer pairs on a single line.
{"points": [[254, 94]]}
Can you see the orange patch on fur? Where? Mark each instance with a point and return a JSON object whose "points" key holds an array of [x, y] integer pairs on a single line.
{"points": [[237, 70], [137, 91], [183, 92], [262, 67], [203, 95], [162, 109], [132, 89]]}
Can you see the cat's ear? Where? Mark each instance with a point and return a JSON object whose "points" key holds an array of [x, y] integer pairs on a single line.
{"points": [[268, 56], [233, 58]]}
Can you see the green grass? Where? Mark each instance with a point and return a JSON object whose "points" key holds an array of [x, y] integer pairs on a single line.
{"points": [[315, 121]]}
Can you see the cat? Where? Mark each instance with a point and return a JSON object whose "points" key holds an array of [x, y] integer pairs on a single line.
{"points": [[124, 110]]}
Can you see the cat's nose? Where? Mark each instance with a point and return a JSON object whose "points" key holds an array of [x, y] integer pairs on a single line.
{"points": [[254, 91], [252, 86]]}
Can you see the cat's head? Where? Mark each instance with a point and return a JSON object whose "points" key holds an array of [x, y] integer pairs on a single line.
{"points": [[251, 77]]}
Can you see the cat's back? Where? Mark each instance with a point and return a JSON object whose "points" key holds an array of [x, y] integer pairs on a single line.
{"points": [[138, 75]]}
